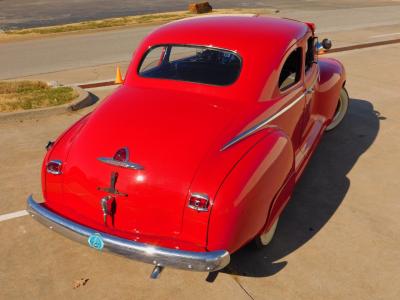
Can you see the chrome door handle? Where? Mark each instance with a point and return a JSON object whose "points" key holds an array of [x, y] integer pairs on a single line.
{"points": [[310, 90]]}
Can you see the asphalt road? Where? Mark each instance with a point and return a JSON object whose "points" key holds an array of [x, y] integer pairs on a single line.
{"points": [[33, 13], [45, 55]]}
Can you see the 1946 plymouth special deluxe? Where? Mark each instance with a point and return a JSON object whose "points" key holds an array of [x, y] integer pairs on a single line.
{"points": [[198, 152]]}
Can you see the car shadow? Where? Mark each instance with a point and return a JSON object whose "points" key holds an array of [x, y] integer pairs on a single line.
{"points": [[317, 196]]}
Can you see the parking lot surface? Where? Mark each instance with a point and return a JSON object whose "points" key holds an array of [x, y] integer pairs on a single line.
{"points": [[337, 239]]}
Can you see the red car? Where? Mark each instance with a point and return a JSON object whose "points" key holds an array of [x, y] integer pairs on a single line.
{"points": [[198, 152]]}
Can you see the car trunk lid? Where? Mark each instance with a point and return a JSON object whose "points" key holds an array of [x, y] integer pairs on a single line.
{"points": [[167, 136]]}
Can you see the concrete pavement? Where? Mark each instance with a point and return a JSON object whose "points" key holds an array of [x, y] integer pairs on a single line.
{"points": [[337, 239]]}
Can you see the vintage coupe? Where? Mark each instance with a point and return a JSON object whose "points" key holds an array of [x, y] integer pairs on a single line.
{"points": [[198, 152]]}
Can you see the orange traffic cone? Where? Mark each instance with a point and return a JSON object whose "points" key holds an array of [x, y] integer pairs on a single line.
{"points": [[118, 76]]}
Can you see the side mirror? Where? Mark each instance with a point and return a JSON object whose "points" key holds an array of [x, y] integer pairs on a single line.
{"points": [[327, 44]]}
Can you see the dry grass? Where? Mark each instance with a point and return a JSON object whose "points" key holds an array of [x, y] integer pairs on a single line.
{"points": [[129, 21], [22, 95]]}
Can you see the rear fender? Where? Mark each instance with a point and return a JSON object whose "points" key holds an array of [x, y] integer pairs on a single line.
{"points": [[51, 184], [244, 200]]}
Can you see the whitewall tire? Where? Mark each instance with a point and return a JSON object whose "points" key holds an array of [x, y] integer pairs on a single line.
{"points": [[266, 237], [341, 110]]}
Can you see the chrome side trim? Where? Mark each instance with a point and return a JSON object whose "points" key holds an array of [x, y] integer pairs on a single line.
{"points": [[123, 164], [158, 256], [262, 124]]}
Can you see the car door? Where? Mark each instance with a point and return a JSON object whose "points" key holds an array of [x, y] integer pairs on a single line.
{"points": [[312, 123], [291, 98], [310, 80], [288, 115]]}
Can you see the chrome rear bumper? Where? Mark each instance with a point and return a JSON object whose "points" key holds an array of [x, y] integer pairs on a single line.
{"points": [[158, 256]]}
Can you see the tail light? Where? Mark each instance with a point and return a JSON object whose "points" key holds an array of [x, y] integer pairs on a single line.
{"points": [[199, 202], [54, 167]]}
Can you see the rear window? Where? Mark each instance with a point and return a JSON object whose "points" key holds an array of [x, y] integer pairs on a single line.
{"points": [[191, 63]]}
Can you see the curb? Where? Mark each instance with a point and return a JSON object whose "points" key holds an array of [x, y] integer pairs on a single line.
{"points": [[84, 99]]}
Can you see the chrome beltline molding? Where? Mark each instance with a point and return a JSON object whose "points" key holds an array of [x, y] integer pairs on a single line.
{"points": [[262, 124], [123, 164], [158, 256]]}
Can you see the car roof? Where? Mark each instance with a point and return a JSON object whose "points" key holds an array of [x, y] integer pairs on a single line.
{"points": [[241, 33], [261, 42]]}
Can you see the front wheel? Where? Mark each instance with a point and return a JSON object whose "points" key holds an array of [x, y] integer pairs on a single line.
{"points": [[266, 237], [341, 110]]}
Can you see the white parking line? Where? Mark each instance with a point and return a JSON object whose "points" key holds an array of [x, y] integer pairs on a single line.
{"points": [[13, 215]]}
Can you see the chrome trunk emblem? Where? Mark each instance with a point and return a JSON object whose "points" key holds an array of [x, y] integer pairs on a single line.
{"points": [[108, 203], [107, 206], [121, 159], [112, 190]]}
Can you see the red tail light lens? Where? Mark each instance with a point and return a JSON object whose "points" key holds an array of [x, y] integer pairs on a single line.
{"points": [[54, 167], [199, 202], [121, 155]]}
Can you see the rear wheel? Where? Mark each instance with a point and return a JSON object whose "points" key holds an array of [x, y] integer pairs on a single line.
{"points": [[341, 110], [266, 237]]}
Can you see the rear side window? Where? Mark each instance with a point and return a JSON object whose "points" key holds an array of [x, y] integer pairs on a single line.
{"points": [[191, 63], [291, 70]]}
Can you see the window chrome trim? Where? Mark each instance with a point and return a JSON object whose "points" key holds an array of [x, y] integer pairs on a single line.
{"points": [[123, 164], [262, 124], [150, 48]]}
